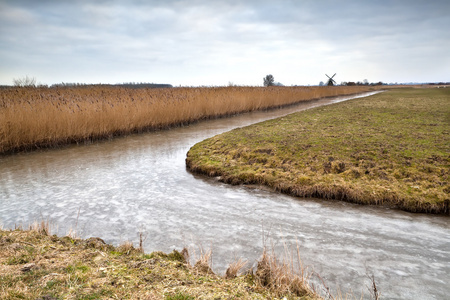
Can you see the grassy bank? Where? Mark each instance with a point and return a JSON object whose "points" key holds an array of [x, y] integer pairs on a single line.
{"points": [[33, 118], [37, 265], [388, 149]]}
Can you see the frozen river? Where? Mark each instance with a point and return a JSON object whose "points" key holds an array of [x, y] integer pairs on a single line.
{"points": [[140, 183]]}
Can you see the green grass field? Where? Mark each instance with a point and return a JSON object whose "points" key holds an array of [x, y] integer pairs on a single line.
{"points": [[389, 149]]}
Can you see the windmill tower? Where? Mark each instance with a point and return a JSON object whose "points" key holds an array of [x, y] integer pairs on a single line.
{"points": [[331, 81]]}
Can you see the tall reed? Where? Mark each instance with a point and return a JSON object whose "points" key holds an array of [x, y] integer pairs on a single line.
{"points": [[32, 118]]}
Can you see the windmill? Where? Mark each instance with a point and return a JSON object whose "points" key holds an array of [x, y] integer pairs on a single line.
{"points": [[331, 81]]}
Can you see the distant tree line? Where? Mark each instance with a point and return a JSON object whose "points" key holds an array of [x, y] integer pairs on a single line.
{"points": [[31, 82], [440, 83], [365, 82], [132, 85]]}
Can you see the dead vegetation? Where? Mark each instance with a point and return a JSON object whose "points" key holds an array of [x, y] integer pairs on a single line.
{"points": [[235, 268], [283, 276], [32, 118]]}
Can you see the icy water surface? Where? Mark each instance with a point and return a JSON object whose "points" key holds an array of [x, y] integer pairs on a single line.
{"points": [[139, 183]]}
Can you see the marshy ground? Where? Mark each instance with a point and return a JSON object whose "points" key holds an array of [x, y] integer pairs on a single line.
{"points": [[389, 149]]}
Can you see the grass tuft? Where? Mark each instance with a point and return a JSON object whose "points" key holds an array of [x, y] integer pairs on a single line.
{"points": [[203, 264], [42, 227], [282, 276], [234, 268], [126, 247]]}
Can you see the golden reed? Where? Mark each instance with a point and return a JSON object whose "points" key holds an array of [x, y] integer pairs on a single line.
{"points": [[32, 118]]}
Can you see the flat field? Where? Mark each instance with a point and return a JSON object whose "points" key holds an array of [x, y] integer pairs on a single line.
{"points": [[388, 149], [32, 118]]}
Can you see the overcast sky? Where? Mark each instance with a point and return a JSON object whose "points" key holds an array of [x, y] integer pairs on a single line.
{"points": [[217, 42]]}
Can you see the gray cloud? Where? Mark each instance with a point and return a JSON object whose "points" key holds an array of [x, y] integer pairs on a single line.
{"points": [[213, 42]]}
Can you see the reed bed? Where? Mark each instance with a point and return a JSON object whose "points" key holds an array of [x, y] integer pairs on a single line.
{"points": [[32, 118]]}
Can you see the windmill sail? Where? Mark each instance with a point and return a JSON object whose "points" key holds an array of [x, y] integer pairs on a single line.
{"points": [[331, 81]]}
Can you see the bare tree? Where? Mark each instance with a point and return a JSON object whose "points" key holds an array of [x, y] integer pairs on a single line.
{"points": [[269, 80], [25, 81]]}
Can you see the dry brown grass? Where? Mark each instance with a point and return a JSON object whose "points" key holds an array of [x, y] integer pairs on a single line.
{"points": [[42, 227], [126, 247], [235, 267], [285, 275], [203, 264], [32, 118]]}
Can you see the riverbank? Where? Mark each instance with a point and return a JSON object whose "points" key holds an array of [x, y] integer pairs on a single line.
{"points": [[388, 149], [37, 265], [33, 118]]}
